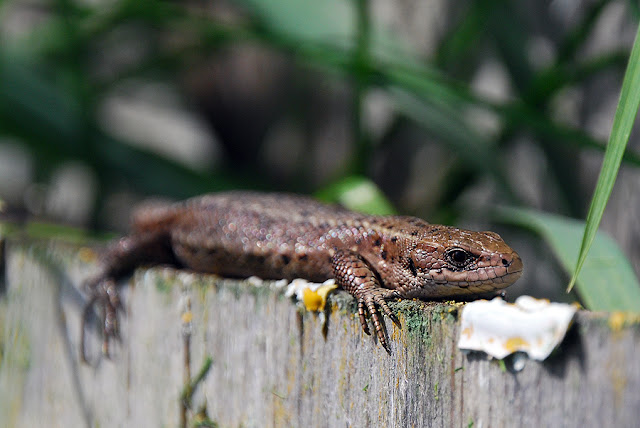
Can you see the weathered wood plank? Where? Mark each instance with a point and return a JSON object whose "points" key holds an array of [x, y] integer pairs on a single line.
{"points": [[272, 365]]}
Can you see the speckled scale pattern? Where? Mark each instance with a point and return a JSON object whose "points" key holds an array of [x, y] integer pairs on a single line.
{"points": [[286, 236]]}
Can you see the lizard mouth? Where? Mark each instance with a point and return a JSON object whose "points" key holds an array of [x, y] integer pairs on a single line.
{"points": [[508, 272], [514, 269], [500, 276]]}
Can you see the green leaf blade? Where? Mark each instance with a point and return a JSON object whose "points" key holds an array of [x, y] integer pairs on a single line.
{"points": [[622, 124]]}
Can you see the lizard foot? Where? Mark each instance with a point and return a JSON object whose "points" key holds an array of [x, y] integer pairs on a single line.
{"points": [[104, 294], [367, 301], [355, 276]]}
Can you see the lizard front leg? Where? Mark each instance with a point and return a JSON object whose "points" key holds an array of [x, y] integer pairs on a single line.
{"points": [[354, 275]]}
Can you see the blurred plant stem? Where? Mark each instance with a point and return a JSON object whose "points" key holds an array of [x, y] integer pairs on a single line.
{"points": [[360, 160]]}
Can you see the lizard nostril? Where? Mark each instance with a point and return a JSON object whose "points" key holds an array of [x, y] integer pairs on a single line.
{"points": [[506, 262]]}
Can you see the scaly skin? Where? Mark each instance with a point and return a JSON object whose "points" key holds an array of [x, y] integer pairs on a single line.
{"points": [[277, 236]]}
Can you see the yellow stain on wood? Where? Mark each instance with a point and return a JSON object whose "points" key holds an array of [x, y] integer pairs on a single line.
{"points": [[312, 301], [516, 343], [316, 300], [87, 255], [618, 320]]}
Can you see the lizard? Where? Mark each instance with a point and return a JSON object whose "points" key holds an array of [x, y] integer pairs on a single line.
{"points": [[274, 236]]}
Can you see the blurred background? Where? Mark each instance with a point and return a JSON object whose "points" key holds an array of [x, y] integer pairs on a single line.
{"points": [[447, 108]]}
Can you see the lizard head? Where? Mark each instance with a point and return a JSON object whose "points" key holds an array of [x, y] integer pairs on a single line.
{"points": [[447, 261]]}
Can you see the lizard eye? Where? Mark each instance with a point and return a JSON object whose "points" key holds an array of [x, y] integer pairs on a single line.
{"points": [[458, 257]]}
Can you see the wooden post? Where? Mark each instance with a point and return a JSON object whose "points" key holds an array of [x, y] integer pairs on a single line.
{"points": [[272, 363]]}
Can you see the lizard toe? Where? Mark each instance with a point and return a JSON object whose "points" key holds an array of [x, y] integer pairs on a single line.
{"points": [[362, 313], [381, 300], [377, 322], [103, 293]]}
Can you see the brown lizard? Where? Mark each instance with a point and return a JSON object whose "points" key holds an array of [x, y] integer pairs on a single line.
{"points": [[274, 236]]}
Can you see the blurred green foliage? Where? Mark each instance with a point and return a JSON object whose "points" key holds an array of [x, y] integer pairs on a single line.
{"points": [[50, 92], [606, 282]]}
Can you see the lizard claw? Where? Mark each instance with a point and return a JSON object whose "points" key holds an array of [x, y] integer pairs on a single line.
{"points": [[389, 294], [104, 293], [362, 313], [370, 299]]}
